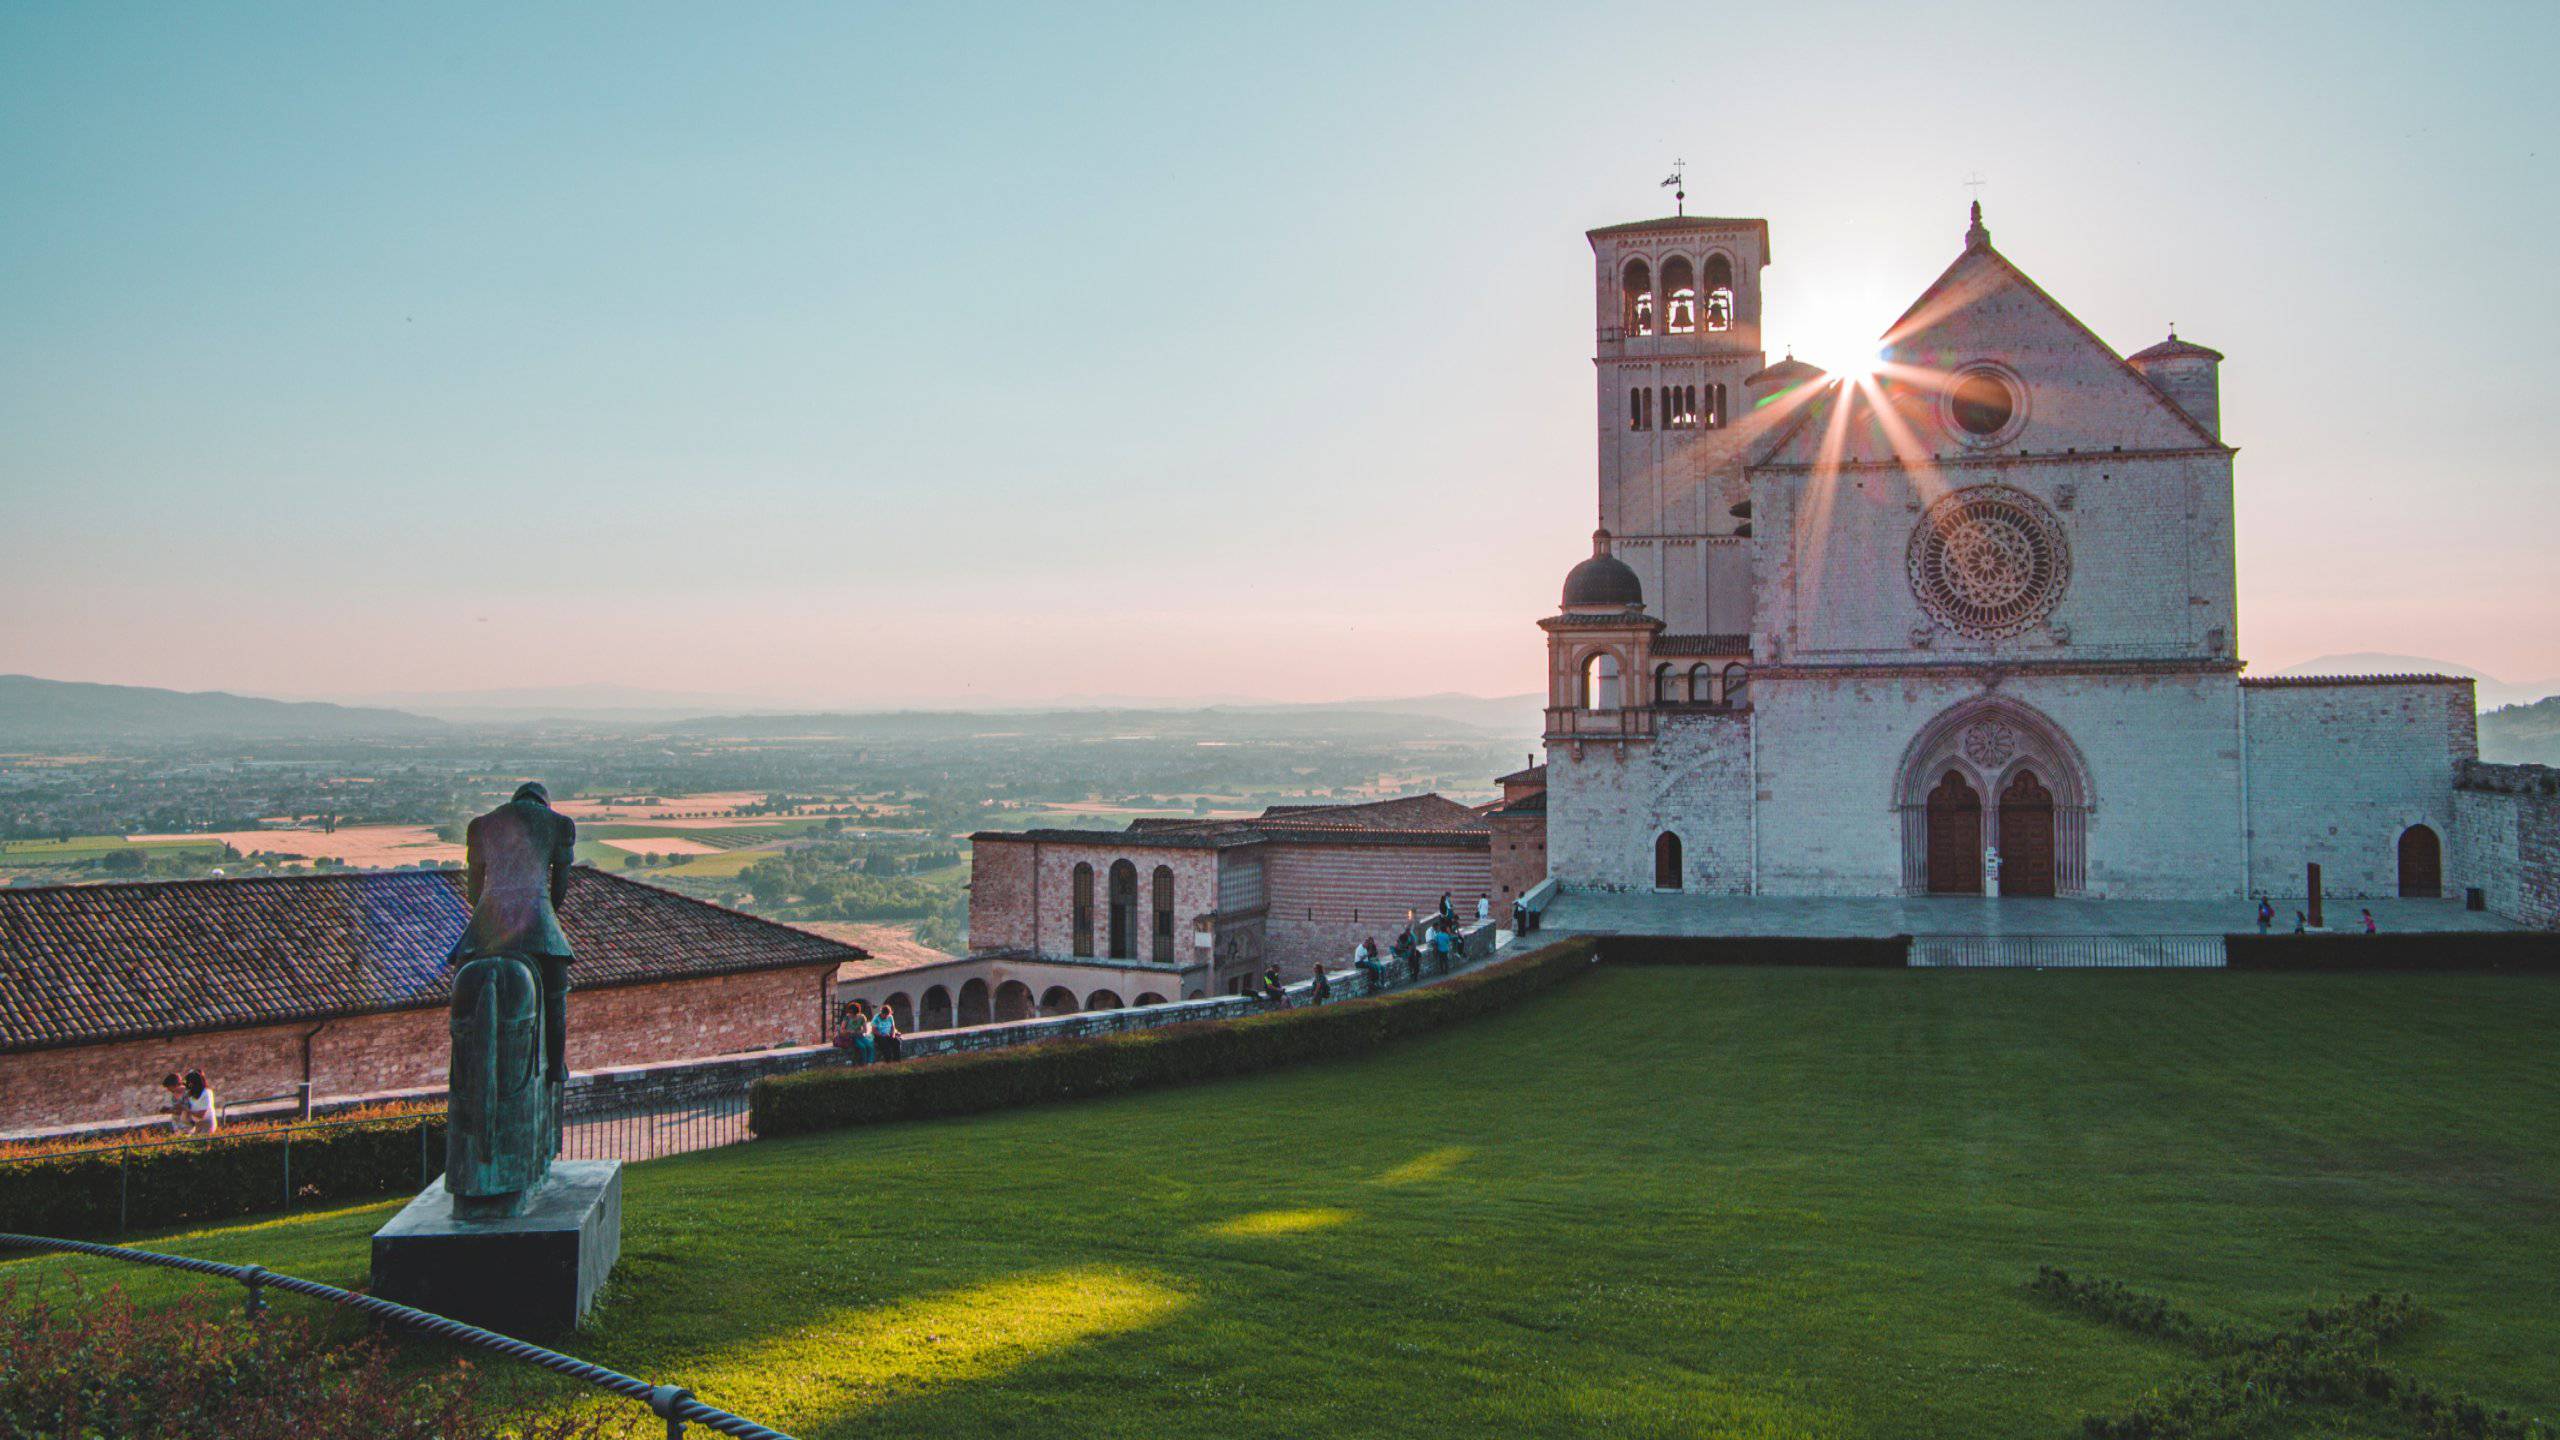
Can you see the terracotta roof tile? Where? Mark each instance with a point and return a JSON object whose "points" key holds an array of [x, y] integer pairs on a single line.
{"points": [[80, 964]]}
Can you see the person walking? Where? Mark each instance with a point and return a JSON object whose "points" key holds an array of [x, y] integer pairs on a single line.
{"points": [[2369, 927], [1448, 911], [884, 1033], [203, 1115], [1484, 908], [1442, 943], [1323, 990], [2266, 914]]}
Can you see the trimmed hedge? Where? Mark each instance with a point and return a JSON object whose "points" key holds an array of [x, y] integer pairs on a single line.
{"points": [[82, 1194], [980, 1080], [2493, 951], [1889, 952]]}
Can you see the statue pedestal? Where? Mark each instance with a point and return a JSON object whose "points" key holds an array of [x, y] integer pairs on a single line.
{"points": [[529, 1275]]}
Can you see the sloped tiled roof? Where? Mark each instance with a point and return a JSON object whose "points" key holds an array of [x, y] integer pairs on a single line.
{"points": [[84, 963], [1419, 818]]}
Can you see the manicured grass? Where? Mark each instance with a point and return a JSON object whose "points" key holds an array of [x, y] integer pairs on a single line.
{"points": [[1654, 1203]]}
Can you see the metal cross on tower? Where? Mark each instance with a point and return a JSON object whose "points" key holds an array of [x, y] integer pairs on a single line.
{"points": [[1679, 187]]}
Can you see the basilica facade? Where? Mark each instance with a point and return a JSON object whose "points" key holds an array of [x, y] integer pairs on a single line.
{"points": [[1963, 624]]}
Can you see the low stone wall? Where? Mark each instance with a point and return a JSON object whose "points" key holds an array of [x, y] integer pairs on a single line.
{"points": [[1880, 952]]}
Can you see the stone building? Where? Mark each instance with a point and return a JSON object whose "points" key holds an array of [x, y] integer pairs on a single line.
{"points": [[338, 982], [1969, 614], [1212, 902]]}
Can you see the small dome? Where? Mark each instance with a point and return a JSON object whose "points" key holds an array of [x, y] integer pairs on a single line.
{"points": [[2173, 348], [1790, 371], [1602, 580]]}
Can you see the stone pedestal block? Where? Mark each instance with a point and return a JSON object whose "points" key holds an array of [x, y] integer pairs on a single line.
{"points": [[530, 1275]]}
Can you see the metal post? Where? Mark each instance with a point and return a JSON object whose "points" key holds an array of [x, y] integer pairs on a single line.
{"points": [[288, 1168], [664, 1399], [255, 1277]]}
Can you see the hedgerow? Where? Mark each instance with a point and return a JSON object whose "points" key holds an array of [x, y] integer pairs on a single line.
{"points": [[98, 1194], [982, 1080]]}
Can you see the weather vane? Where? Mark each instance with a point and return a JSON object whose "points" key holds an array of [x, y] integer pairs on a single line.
{"points": [[1679, 187]]}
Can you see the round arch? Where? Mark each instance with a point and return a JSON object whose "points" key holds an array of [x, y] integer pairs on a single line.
{"points": [[1013, 1001], [936, 1014], [975, 1007], [1104, 1000], [903, 1009], [2004, 751], [1058, 1000], [1150, 998]]}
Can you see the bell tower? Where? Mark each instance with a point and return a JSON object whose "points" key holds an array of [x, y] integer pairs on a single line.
{"points": [[1677, 326]]}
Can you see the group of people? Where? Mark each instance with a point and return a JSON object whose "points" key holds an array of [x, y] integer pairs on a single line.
{"points": [[870, 1032], [2302, 922], [189, 1101]]}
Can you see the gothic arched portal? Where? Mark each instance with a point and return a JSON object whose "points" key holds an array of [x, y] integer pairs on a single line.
{"points": [[1995, 774]]}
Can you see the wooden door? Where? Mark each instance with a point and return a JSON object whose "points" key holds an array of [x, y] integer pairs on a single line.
{"points": [[1955, 838], [2026, 837], [2421, 864]]}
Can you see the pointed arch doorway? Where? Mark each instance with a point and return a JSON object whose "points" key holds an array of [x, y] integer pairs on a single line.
{"points": [[1955, 837], [2026, 836]]}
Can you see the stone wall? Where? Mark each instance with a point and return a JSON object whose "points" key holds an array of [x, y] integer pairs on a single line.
{"points": [[2337, 769], [2506, 840], [1606, 805], [405, 1051], [1022, 894], [1327, 897]]}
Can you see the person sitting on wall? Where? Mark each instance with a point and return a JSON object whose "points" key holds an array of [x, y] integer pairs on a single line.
{"points": [[1323, 989], [1448, 911], [1409, 953], [884, 1033], [173, 1100], [203, 1115], [865, 1045], [1271, 983], [1366, 959]]}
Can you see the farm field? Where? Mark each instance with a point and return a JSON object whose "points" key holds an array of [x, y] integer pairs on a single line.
{"points": [[367, 847], [1655, 1203], [81, 849]]}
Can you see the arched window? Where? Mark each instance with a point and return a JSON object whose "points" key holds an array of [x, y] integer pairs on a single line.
{"points": [[1702, 684], [1163, 951], [1084, 910], [1666, 861], [1124, 910], [1737, 684], [1638, 290], [1666, 686], [1600, 682], [1680, 296], [1718, 283]]}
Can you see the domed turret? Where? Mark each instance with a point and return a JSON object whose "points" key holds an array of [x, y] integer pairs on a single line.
{"points": [[1603, 582], [1788, 374], [2189, 374]]}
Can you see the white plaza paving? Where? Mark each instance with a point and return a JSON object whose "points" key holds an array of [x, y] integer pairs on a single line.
{"points": [[1639, 913]]}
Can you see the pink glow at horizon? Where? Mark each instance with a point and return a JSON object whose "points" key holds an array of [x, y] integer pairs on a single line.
{"points": [[847, 358]]}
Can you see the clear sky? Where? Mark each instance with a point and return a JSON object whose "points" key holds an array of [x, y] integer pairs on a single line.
{"points": [[969, 354]]}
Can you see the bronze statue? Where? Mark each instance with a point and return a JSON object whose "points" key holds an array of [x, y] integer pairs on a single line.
{"points": [[510, 1008]]}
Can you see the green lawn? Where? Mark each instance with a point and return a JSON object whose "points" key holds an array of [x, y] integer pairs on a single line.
{"points": [[1658, 1203]]}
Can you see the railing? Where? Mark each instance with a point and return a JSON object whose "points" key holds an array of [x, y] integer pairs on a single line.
{"points": [[2069, 952], [670, 1403]]}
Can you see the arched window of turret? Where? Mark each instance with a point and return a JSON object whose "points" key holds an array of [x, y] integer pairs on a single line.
{"points": [[1718, 283], [1737, 684], [1600, 682], [1702, 684], [1638, 291], [1680, 296], [1666, 685]]}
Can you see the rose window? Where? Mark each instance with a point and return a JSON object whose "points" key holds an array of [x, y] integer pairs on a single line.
{"points": [[1988, 562]]}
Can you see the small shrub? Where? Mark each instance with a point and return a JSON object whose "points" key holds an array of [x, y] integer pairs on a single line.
{"points": [[982, 1080], [79, 1195], [101, 1367]]}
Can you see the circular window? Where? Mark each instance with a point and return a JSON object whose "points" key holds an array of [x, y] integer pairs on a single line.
{"points": [[1988, 562], [1982, 403]]}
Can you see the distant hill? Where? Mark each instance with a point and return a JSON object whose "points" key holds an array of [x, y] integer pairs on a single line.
{"points": [[2492, 691], [1210, 723], [615, 704], [2522, 734], [72, 712]]}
